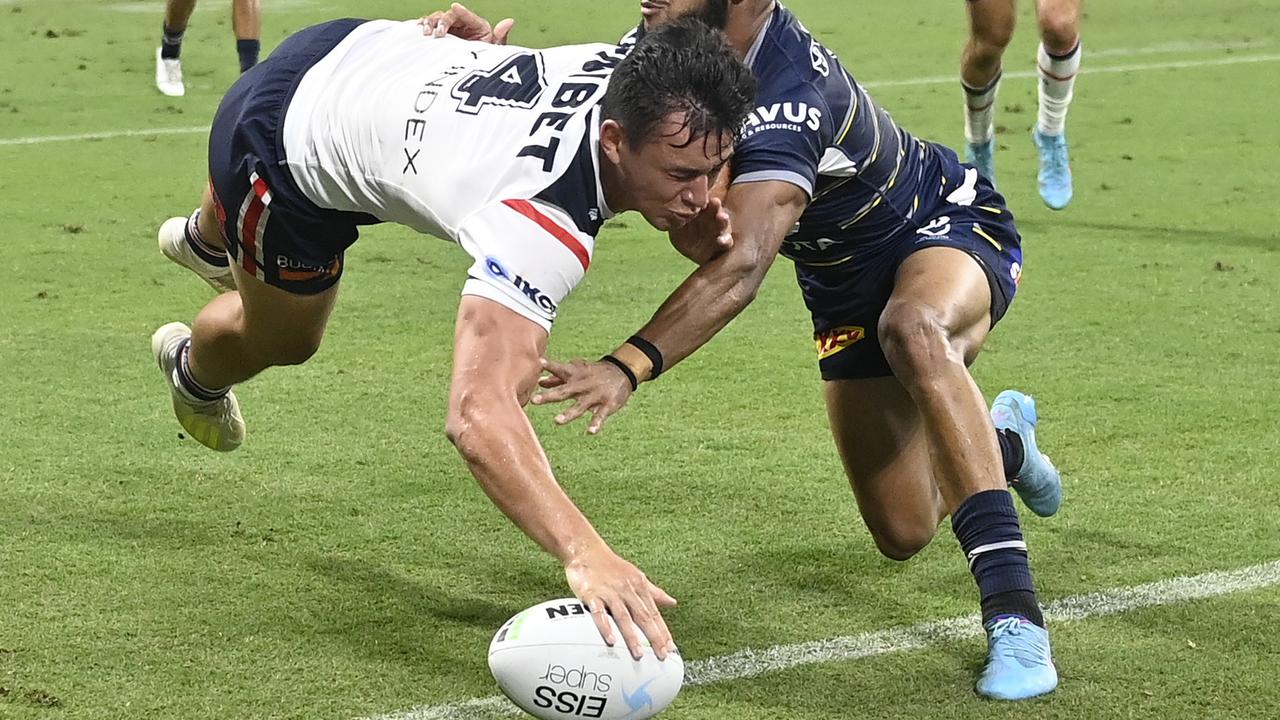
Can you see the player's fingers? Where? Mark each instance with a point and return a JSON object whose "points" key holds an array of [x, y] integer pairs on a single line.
{"points": [[558, 393], [598, 415], [549, 381], [601, 619], [443, 23], [649, 620], [573, 413], [502, 31], [564, 371], [630, 633], [660, 596]]}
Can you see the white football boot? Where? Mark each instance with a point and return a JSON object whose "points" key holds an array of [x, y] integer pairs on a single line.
{"points": [[216, 424], [169, 76], [173, 244]]}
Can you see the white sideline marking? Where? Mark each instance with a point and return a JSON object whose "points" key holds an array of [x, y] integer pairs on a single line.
{"points": [[751, 663], [934, 80]]}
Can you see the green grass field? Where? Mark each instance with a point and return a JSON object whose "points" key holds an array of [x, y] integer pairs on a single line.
{"points": [[343, 564]]}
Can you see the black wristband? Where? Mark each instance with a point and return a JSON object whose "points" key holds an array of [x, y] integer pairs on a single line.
{"points": [[631, 375], [650, 351]]}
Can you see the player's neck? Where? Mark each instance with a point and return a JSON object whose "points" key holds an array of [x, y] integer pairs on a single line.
{"points": [[745, 24], [612, 186]]}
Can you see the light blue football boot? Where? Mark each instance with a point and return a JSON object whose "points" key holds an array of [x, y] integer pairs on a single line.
{"points": [[983, 157], [1019, 662], [1037, 482], [1055, 169]]}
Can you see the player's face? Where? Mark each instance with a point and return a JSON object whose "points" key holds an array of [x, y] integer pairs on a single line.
{"points": [[656, 12], [669, 177]]}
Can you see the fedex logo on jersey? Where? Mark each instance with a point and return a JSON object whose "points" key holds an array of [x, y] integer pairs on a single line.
{"points": [[536, 296], [794, 116]]}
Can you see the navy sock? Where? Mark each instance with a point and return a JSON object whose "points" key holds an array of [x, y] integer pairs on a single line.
{"points": [[987, 527], [248, 52], [171, 44], [188, 383], [1011, 451]]}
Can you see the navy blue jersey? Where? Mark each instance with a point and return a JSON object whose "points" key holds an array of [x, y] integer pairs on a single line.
{"points": [[870, 182]]}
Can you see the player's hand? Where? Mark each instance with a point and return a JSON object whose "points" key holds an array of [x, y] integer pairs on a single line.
{"points": [[707, 236], [608, 584], [461, 22], [598, 388]]}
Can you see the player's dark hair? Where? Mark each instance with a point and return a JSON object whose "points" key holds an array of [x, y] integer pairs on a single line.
{"points": [[685, 67]]}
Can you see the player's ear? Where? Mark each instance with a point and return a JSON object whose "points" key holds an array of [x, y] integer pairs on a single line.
{"points": [[611, 139]]}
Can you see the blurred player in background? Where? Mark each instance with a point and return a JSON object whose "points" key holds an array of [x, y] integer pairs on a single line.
{"points": [[246, 22], [906, 259], [1058, 60], [517, 155]]}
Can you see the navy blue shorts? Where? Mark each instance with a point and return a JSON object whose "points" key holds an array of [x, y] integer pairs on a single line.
{"points": [[846, 300], [272, 230]]}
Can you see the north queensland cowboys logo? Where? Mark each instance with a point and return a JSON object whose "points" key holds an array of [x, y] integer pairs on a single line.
{"points": [[937, 227]]}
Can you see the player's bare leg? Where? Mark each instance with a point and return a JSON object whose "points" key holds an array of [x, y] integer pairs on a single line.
{"points": [[1058, 60], [881, 441], [246, 21], [991, 24], [933, 326], [235, 337], [177, 13]]}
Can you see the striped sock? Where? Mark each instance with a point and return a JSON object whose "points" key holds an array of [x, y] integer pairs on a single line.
{"points": [[980, 111], [203, 250], [171, 43], [986, 524], [188, 385], [1057, 83]]}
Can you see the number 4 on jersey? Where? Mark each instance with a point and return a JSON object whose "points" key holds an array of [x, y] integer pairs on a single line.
{"points": [[517, 82]]}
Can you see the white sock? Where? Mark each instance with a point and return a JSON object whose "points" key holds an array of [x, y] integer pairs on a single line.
{"points": [[1057, 79], [980, 111]]}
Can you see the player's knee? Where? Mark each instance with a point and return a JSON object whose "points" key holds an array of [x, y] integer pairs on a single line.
{"points": [[987, 43], [1059, 27], [913, 338], [902, 540]]}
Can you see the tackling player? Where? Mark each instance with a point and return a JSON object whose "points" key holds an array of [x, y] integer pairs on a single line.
{"points": [[1058, 60], [906, 259], [517, 155]]}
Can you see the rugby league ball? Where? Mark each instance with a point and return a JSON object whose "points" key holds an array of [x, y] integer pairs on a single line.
{"points": [[551, 661]]}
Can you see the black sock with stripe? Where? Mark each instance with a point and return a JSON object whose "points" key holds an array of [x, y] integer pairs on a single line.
{"points": [[986, 524]]}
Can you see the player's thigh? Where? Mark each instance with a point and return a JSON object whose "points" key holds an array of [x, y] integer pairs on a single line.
{"points": [[960, 273], [991, 22], [881, 441], [285, 326]]}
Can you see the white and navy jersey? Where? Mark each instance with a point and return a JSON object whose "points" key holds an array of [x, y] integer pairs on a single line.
{"points": [[494, 147]]}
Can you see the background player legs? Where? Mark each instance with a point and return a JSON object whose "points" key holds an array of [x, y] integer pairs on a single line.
{"points": [[246, 20], [1058, 61], [177, 13], [991, 24]]}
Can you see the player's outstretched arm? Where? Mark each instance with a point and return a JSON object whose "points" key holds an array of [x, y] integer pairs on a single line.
{"points": [[496, 366], [460, 21], [763, 214]]}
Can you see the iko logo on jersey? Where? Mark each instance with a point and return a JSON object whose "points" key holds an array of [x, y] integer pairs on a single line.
{"points": [[937, 227], [535, 295], [794, 116], [818, 59]]}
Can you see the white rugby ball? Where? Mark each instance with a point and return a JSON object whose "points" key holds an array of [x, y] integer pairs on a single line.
{"points": [[551, 661]]}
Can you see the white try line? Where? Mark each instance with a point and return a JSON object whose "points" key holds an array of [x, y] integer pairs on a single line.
{"points": [[906, 82], [752, 663]]}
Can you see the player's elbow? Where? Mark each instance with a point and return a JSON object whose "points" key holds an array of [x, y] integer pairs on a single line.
{"points": [[745, 271], [469, 415]]}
